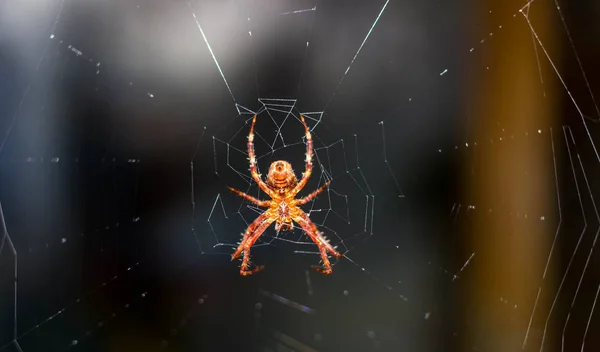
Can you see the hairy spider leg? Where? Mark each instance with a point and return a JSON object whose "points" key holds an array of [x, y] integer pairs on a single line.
{"points": [[249, 231], [260, 203], [309, 165], [311, 230], [252, 157], [248, 242], [309, 197]]}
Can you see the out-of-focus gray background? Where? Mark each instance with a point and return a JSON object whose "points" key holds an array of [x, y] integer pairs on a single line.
{"points": [[459, 138]]}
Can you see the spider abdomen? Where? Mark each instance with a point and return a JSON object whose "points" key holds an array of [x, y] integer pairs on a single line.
{"points": [[281, 175]]}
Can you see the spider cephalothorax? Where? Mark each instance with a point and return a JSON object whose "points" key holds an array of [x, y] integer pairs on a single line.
{"points": [[283, 208]]}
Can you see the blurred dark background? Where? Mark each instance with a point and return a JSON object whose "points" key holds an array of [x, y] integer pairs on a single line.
{"points": [[448, 131]]}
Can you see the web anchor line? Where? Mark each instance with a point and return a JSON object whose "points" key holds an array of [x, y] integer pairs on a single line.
{"points": [[587, 83], [355, 55], [558, 227], [562, 81], [589, 254], [213, 55], [6, 239], [581, 235]]}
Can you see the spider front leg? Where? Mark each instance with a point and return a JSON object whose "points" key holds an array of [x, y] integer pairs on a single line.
{"points": [[256, 228], [309, 153], [252, 157], [311, 230]]}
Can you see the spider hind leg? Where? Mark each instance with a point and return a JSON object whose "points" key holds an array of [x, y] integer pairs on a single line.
{"points": [[254, 231], [311, 230], [326, 265], [253, 271]]}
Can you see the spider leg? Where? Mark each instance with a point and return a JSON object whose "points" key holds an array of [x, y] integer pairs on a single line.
{"points": [[249, 231], [260, 203], [252, 157], [311, 230], [309, 153], [256, 228], [309, 197], [249, 243]]}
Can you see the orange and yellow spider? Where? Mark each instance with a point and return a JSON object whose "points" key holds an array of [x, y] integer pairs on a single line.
{"points": [[283, 208]]}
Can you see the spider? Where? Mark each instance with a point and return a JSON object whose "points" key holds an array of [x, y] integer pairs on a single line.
{"points": [[283, 208]]}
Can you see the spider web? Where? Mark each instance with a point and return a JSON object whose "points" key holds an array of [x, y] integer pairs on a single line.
{"points": [[567, 285]]}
